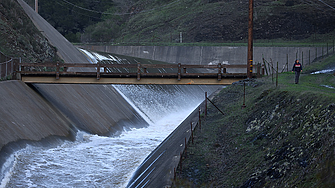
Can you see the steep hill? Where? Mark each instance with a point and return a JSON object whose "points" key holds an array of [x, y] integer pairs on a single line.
{"points": [[226, 20], [198, 20]]}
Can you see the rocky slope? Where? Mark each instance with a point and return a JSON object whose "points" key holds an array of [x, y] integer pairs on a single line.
{"points": [[19, 36], [283, 138]]}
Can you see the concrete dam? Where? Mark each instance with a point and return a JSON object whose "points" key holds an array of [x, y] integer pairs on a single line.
{"points": [[97, 135], [89, 139], [82, 135]]}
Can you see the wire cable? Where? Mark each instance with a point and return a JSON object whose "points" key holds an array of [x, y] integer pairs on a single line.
{"points": [[327, 4], [78, 12], [118, 14]]}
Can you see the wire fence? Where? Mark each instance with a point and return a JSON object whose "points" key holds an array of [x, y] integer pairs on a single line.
{"points": [[272, 69], [7, 67]]}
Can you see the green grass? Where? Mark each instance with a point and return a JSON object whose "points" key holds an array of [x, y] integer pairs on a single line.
{"points": [[310, 82]]}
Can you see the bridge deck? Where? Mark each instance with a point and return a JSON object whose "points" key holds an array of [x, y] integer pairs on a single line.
{"points": [[175, 74]]}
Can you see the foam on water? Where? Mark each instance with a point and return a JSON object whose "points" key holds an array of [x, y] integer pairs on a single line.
{"points": [[324, 71], [7, 170], [91, 161], [327, 86]]}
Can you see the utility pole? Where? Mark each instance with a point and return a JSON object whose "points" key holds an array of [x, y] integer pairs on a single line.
{"points": [[36, 6], [250, 39]]}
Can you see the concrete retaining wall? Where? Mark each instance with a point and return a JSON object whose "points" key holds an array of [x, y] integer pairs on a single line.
{"points": [[213, 54]]}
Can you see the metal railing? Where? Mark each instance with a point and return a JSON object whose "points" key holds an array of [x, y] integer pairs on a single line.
{"points": [[129, 70]]}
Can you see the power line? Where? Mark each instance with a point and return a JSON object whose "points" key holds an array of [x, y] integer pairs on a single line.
{"points": [[78, 12], [327, 5], [118, 14], [86, 8]]}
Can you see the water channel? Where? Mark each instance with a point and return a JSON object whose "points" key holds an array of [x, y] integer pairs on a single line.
{"points": [[98, 161]]}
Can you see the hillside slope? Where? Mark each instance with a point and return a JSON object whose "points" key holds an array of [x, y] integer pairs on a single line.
{"points": [[226, 20], [19, 36], [210, 21], [283, 138]]}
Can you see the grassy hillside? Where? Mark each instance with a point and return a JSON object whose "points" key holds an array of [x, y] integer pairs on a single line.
{"points": [[224, 21], [199, 21], [283, 138]]}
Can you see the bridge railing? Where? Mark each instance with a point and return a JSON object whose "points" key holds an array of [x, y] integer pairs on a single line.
{"points": [[138, 70]]}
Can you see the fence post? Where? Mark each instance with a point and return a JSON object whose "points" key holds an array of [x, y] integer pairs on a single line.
{"points": [[327, 49], [98, 71], [205, 105], [309, 57], [258, 70], [219, 71], [322, 53], [12, 67], [57, 71], [244, 106], [272, 70], [277, 75], [263, 70], [138, 71], [266, 69], [199, 118], [302, 58], [192, 132], [179, 71], [6, 73], [287, 61]]}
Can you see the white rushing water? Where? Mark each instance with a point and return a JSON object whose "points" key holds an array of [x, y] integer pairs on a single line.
{"points": [[98, 161], [93, 161], [324, 71]]}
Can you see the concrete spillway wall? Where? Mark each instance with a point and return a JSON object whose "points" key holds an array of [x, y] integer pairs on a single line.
{"points": [[214, 54], [96, 109], [58, 110], [27, 116]]}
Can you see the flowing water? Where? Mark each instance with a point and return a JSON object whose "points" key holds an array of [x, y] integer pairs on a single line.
{"points": [[97, 161]]}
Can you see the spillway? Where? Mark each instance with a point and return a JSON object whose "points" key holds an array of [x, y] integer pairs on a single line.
{"points": [[100, 161]]}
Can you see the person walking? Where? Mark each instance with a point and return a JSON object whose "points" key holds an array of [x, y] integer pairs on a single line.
{"points": [[297, 68]]}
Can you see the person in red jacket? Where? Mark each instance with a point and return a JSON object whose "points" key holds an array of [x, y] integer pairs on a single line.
{"points": [[297, 68]]}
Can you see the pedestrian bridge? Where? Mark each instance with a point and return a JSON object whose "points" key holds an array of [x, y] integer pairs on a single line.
{"points": [[100, 73]]}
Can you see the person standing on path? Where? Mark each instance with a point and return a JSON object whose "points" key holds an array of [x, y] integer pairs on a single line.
{"points": [[297, 67]]}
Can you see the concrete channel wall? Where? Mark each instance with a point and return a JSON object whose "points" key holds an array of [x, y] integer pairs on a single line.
{"points": [[158, 169], [205, 55]]}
